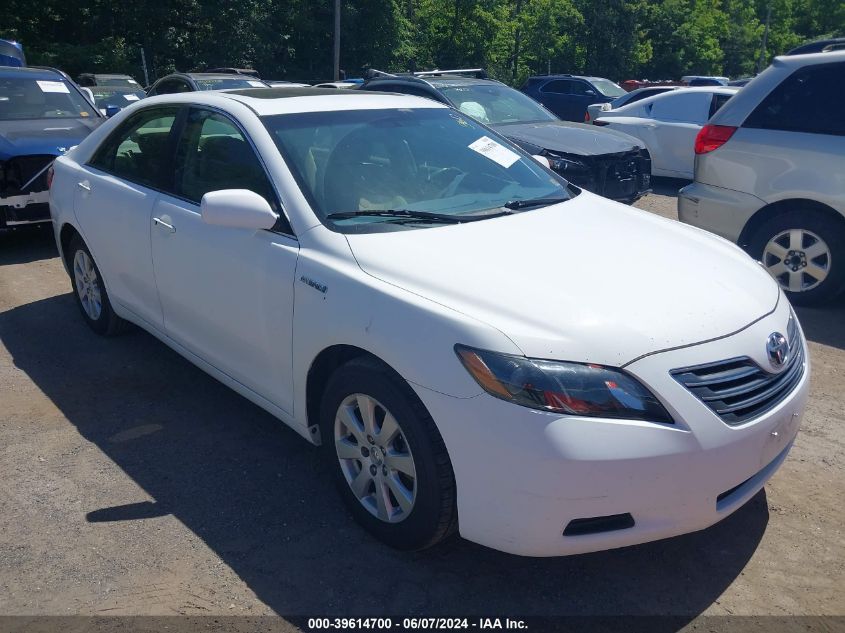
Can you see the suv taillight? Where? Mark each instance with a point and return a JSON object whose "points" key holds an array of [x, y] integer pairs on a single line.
{"points": [[712, 137], [587, 116]]}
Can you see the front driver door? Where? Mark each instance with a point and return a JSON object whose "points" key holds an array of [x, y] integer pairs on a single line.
{"points": [[226, 293]]}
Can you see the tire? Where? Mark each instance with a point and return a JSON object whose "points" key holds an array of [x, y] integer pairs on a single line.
{"points": [[431, 514], [90, 291], [787, 245]]}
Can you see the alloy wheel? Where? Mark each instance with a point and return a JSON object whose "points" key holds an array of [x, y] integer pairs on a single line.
{"points": [[798, 259], [87, 285], [375, 458]]}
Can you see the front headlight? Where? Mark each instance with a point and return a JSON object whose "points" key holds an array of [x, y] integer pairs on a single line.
{"points": [[564, 165], [563, 387]]}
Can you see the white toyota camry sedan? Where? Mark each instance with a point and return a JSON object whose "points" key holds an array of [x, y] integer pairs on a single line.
{"points": [[475, 344]]}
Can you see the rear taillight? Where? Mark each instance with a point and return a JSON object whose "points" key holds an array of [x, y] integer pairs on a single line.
{"points": [[712, 137], [50, 176], [587, 116]]}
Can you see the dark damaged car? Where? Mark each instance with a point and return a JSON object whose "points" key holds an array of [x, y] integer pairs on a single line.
{"points": [[614, 165], [42, 115]]}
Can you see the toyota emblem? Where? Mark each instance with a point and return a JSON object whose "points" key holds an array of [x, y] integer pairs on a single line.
{"points": [[777, 349]]}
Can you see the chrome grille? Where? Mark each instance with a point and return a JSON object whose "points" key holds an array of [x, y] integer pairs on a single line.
{"points": [[738, 389]]}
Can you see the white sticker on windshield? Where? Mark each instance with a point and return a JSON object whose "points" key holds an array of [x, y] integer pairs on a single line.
{"points": [[255, 84], [496, 152], [53, 86], [131, 97]]}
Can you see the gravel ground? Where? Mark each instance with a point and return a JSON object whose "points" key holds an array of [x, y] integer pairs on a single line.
{"points": [[133, 483]]}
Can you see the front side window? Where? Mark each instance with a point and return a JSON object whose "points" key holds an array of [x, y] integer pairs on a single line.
{"points": [[28, 98], [809, 100], [494, 104], [140, 149], [212, 154], [431, 160]]}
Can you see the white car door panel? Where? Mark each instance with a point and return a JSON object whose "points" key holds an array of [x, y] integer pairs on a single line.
{"points": [[226, 293], [114, 216]]}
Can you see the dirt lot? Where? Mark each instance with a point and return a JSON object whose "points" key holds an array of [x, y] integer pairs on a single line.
{"points": [[133, 483]]}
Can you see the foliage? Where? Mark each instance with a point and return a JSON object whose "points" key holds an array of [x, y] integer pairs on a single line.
{"points": [[292, 39]]}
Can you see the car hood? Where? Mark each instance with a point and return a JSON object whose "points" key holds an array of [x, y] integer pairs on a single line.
{"points": [[586, 280], [43, 136], [568, 138]]}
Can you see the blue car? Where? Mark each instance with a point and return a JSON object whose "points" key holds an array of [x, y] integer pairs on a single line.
{"points": [[42, 115], [568, 96], [11, 53]]}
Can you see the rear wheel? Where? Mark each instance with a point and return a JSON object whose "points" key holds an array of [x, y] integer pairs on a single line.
{"points": [[805, 252], [389, 460], [90, 291]]}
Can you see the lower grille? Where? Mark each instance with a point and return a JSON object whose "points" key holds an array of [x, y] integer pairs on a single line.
{"points": [[739, 389]]}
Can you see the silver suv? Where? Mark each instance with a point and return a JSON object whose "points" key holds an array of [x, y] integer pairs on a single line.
{"points": [[770, 174]]}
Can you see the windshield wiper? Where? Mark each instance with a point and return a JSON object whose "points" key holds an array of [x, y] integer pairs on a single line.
{"points": [[407, 214], [535, 202]]}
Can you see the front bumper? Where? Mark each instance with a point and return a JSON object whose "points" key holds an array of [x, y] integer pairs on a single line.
{"points": [[20, 210], [24, 195], [523, 475], [724, 212]]}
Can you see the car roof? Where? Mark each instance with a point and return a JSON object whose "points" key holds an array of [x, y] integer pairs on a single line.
{"points": [[32, 72], [271, 101], [106, 75]]}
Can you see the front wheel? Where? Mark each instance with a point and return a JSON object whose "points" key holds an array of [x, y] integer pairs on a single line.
{"points": [[389, 460], [90, 291], [805, 252]]}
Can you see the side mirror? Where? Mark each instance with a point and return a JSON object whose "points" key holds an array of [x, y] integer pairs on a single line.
{"points": [[111, 110], [542, 160], [237, 208], [88, 94]]}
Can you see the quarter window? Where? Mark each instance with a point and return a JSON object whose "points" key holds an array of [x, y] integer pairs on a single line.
{"points": [[809, 100], [140, 150]]}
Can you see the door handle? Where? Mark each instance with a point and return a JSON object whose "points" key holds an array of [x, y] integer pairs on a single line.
{"points": [[84, 185], [169, 227]]}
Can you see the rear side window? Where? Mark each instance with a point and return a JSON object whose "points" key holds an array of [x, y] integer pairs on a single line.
{"points": [[809, 100], [171, 86], [140, 149], [718, 101]]}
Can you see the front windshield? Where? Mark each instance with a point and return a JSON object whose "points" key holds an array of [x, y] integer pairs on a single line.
{"points": [[432, 160], [118, 82], [28, 98], [608, 88], [225, 83], [494, 104], [105, 96]]}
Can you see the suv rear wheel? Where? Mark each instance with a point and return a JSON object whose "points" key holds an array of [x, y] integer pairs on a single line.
{"points": [[804, 251]]}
